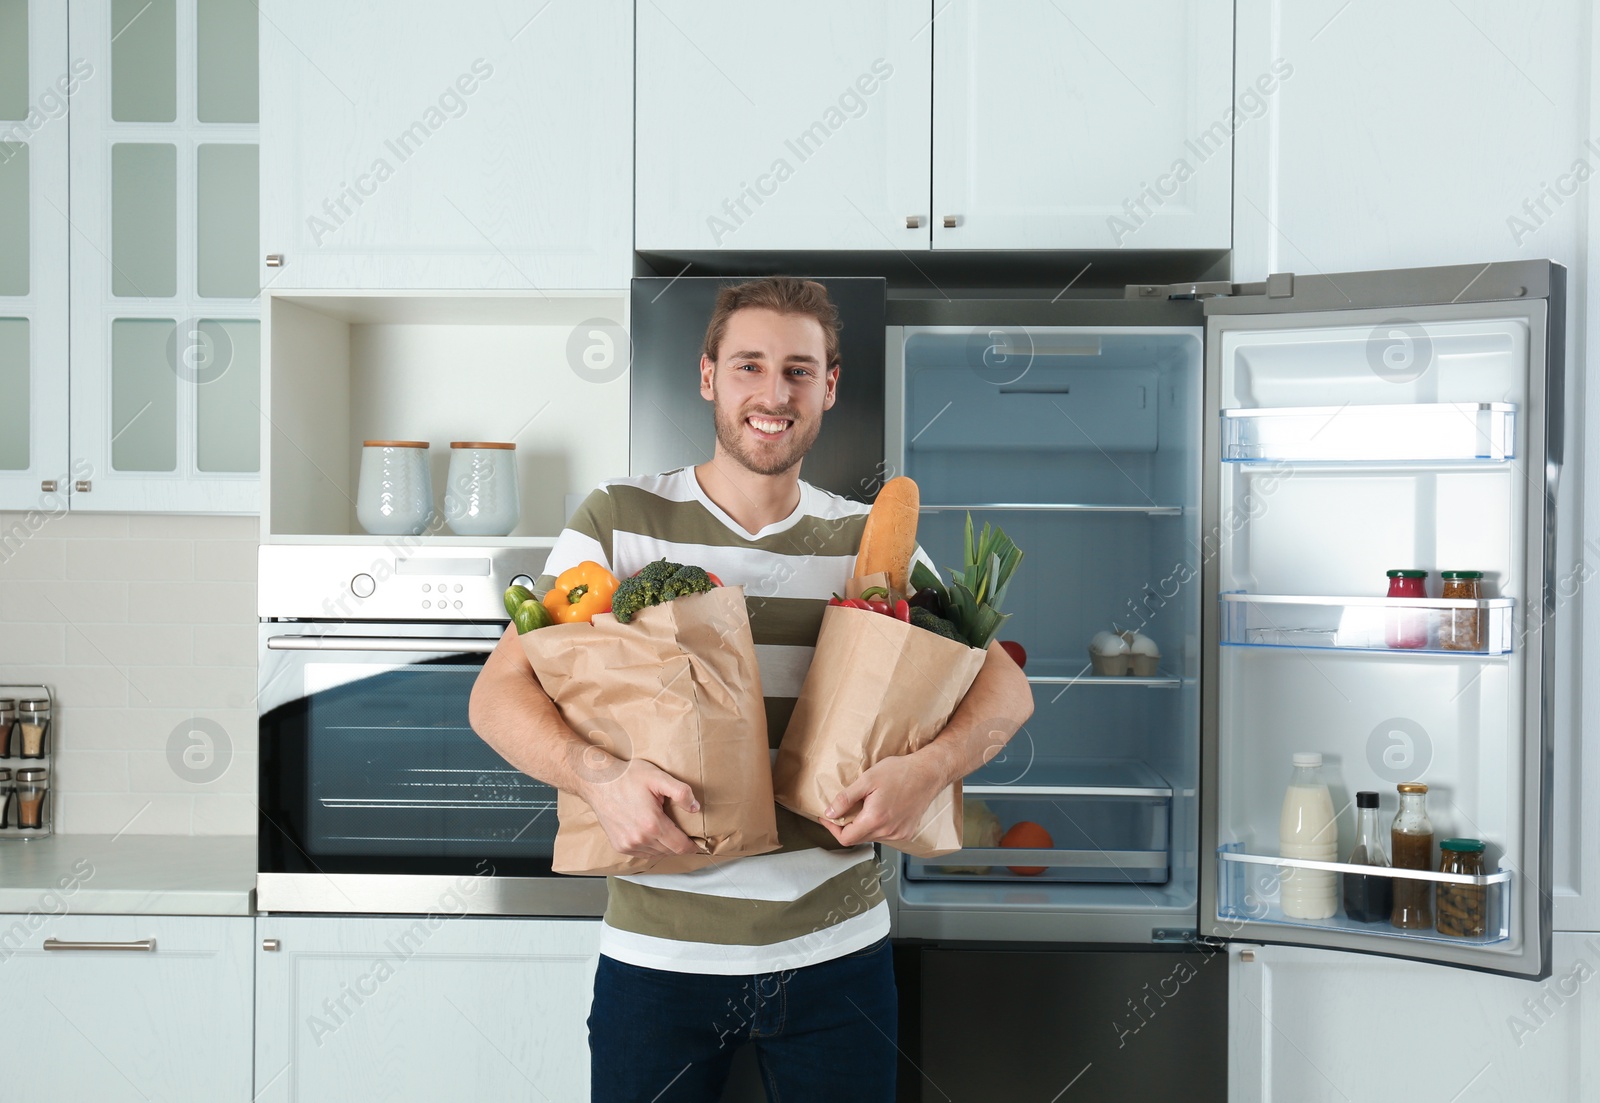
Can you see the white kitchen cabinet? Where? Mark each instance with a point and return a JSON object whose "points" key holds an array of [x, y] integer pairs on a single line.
{"points": [[423, 1008], [36, 82], [1446, 133], [783, 126], [1314, 1026], [172, 1022], [1073, 124], [165, 332], [487, 145]]}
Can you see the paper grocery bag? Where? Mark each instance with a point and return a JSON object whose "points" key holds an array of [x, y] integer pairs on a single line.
{"points": [[677, 686], [876, 687]]}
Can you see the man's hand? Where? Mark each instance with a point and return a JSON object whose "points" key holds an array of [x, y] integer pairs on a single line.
{"points": [[628, 798], [888, 801]]}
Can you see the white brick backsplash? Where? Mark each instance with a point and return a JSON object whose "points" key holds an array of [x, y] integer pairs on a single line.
{"points": [[138, 624], [123, 645], [129, 560]]}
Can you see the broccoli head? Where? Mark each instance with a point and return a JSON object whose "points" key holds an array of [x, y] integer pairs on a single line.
{"points": [[922, 618], [660, 581]]}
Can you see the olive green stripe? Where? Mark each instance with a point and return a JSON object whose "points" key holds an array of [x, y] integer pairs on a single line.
{"points": [[636, 510], [794, 621], [734, 921], [595, 517]]}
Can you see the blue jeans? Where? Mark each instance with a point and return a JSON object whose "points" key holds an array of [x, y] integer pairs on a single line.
{"points": [[821, 1032]]}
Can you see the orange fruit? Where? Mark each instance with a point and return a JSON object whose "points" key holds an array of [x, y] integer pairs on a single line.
{"points": [[1027, 835]]}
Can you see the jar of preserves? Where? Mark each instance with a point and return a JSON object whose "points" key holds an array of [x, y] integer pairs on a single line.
{"points": [[1407, 629], [1462, 629], [1411, 846], [1461, 908]]}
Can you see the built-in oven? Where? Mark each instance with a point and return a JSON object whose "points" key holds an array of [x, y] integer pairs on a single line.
{"points": [[375, 793]]}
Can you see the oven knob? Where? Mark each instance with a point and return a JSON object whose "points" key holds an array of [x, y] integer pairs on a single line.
{"points": [[524, 581], [362, 585]]}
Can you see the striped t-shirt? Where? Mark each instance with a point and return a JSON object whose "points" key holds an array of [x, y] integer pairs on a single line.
{"points": [[810, 900]]}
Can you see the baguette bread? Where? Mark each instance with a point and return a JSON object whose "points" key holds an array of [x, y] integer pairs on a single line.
{"points": [[889, 539]]}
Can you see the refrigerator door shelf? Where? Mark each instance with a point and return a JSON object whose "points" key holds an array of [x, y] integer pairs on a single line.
{"points": [[1247, 891], [1465, 432], [1408, 626]]}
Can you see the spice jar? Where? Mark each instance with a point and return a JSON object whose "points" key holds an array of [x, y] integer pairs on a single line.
{"points": [[33, 794], [8, 726], [1461, 907], [1411, 847], [8, 798], [1407, 629], [33, 727], [1462, 629]]}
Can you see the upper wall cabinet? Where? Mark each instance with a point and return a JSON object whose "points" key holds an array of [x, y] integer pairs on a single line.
{"points": [[166, 363], [469, 145], [783, 126], [1046, 125], [1077, 124], [36, 81]]}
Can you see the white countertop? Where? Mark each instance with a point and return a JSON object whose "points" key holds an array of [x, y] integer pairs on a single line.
{"points": [[129, 874]]}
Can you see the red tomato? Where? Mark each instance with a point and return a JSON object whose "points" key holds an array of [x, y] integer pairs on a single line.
{"points": [[1016, 651], [715, 581]]}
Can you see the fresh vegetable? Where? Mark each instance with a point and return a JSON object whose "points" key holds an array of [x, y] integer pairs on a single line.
{"points": [[1018, 653], [656, 583], [1027, 835], [889, 538], [514, 598], [580, 592], [530, 616], [902, 610], [972, 600], [935, 623], [929, 599]]}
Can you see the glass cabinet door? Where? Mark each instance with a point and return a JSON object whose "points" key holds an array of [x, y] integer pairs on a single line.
{"points": [[165, 293], [36, 81]]}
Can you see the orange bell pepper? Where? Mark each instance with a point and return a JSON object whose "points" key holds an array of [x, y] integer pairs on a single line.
{"points": [[580, 592]]}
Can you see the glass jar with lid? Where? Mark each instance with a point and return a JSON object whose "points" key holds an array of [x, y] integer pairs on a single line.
{"points": [[8, 727], [33, 727], [1461, 908], [1407, 628], [1411, 847], [8, 800], [33, 801], [1462, 629]]}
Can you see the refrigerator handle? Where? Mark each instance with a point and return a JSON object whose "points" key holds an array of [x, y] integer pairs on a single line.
{"points": [[1278, 285]]}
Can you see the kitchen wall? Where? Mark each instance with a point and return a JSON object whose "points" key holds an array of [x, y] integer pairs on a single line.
{"points": [[144, 628]]}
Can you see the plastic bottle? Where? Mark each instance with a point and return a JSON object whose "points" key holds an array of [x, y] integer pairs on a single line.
{"points": [[1306, 829]]}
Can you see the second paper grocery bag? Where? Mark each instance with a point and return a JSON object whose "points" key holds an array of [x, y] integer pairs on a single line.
{"points": [[876, 687], [678, 686]]}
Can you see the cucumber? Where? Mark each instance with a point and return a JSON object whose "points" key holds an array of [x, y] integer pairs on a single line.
{"points": [[531, 615], [514, 598]]}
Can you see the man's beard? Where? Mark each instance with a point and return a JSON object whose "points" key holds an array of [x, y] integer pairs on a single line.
{"points": [[753, 456]]}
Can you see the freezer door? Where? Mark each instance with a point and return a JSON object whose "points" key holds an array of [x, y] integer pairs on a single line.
{"points": [[1364, 422]]}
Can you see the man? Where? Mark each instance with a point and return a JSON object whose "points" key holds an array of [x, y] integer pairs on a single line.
{"points": [[787, 949]]}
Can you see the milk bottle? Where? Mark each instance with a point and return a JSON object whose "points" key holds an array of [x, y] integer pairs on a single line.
{"points": [[1306, 829]]}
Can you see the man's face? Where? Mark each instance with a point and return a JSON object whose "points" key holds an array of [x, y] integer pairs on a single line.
{"points": [[769, 386]]}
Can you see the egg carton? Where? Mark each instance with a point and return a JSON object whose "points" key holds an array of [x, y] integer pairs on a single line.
{"points": [[1126, 663]]}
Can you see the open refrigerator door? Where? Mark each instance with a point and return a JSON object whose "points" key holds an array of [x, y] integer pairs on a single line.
{"points": [[1378, 524]]}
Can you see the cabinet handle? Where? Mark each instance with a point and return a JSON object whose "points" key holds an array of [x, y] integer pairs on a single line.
{"points": [[274, 260], [951, 221], [48, 486], [83, 486], [913, 221], [270, 945], [142, 944]]}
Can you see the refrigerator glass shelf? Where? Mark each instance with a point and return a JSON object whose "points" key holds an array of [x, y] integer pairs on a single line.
{"points": [[1461, 432], [1247, 892], [1152, 509], [1410, 626], [1159, 681]]}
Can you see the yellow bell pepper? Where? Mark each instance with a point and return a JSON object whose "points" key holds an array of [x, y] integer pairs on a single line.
{"points": [[580, 592]]}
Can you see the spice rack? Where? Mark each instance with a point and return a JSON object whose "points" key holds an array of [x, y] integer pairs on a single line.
{"points": [[1482, 432], [1247, 892], [1481, 627], [26, 743]]}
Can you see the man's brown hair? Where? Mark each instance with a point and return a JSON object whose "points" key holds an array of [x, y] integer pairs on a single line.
{"points": [[784, 294]]}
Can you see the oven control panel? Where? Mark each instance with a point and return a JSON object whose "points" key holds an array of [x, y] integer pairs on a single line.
{"points": [[392, 581]]}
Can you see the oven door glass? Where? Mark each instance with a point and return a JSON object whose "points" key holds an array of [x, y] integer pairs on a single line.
{"points": [[368, 765]]}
